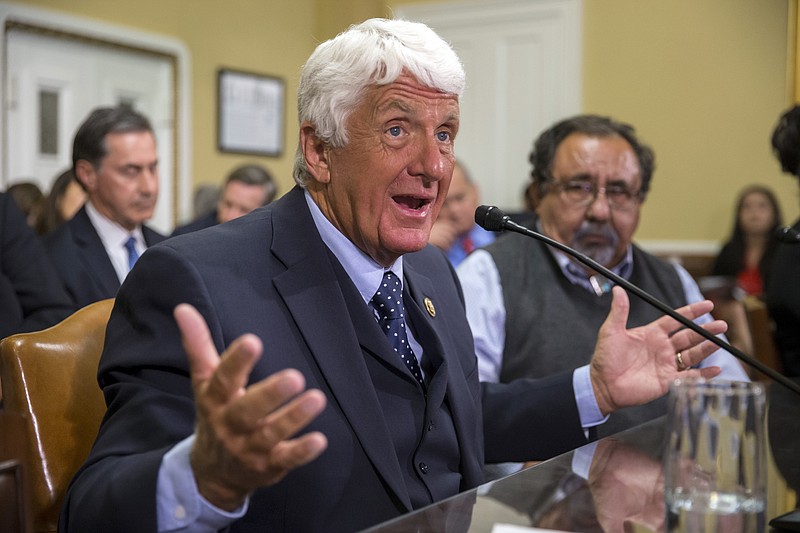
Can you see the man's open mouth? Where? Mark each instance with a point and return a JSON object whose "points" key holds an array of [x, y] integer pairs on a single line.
{"points": [[412, 202]]}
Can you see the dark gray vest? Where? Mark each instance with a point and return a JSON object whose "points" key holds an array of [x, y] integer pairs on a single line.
{"points": [[420, 422], [552, 325]]}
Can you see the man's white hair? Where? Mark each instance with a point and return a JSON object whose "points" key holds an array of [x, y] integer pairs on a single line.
{"points": [[375, 52]]}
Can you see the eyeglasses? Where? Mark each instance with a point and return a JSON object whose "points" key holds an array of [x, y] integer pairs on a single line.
{"points": [[583, 193]]}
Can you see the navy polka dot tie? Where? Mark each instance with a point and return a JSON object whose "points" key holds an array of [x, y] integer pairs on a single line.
{"points": [[388, 306]]}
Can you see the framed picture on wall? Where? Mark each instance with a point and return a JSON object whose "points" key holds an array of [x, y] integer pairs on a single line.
{"points": [[251, 113]]}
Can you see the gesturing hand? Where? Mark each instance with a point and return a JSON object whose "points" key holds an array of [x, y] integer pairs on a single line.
{"points": [[243, 435], [635, 366]]}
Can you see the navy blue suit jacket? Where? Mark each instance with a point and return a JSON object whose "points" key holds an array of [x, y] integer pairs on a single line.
{"points": [[81, 260], [31, 295], [269, 273], [206, 221]]}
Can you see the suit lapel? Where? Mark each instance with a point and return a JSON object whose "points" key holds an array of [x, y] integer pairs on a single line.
{"points": [[93, 254], [151, 236], [313, 292]]}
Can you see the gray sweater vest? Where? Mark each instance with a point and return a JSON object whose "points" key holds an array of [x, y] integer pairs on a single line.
{"points": [[552, 325]]}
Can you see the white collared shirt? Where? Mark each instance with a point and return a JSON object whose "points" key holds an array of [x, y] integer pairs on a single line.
{"points": [[114, 238]]}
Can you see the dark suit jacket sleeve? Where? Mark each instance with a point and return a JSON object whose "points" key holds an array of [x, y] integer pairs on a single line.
{"points": [[31, 294], [145, 379], [528, 419]]}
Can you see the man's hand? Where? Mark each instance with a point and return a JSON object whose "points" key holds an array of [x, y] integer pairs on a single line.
{"points": [[627, 487], [632, 367], [243, 435]]}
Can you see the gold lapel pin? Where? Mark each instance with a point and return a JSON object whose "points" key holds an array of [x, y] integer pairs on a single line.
{"points": [[429, 307]]}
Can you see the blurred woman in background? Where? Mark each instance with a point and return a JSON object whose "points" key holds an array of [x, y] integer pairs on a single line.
{"points": [[65, 199], [748, 254]]}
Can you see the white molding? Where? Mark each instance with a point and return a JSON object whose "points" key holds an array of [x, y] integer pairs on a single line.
{"points": [[658, 247], [123, 35]]}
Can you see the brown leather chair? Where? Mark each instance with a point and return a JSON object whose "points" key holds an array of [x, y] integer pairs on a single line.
{"points": [[50, 378], [762, 334], [14, 487]]}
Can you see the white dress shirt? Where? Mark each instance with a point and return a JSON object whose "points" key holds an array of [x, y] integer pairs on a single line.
{"points": [[114, 238]]}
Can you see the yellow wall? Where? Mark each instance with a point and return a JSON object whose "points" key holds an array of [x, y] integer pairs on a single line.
{"points": [[270, 37], [703, 82]]}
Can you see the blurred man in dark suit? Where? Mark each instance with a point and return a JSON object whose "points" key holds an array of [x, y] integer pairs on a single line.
{"points": [[114, 158], [246, 188], [31, 295]]}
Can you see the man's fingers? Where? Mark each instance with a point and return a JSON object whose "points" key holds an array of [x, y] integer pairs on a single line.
{"points": [[201, 353], [686, 338], [288, 420], [234, 368], [706, 373], [300, 451], [263, 398], [691, 311], [225, 375], [617, 318]]}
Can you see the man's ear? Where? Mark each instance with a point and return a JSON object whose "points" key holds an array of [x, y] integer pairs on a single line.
{"points": [[315, 153], [86, 174]]}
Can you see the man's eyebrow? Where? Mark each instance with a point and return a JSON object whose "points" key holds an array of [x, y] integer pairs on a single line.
{"points": [[395, 104], [580, 176], [453, 117]]}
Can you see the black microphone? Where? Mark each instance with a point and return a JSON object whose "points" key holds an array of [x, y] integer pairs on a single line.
{"points": [[787, 235], [493, 219]]}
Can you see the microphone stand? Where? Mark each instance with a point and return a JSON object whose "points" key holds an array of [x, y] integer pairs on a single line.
{"points": [[503, 222]]}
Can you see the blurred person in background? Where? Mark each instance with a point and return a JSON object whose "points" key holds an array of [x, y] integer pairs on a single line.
{"points": [[31, 295], [205, 199], [748, 254], [30, 200], [535, 311], [783, 289], [64, 201], [455, 231], [114, 158], [246, 188]]}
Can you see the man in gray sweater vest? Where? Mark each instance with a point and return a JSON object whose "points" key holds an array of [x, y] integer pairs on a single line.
{"points": [[534, 311]]}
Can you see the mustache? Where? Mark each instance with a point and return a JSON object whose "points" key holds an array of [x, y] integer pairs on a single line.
{"points": [[604, 230]]}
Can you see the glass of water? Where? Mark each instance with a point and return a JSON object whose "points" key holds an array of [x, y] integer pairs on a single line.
{"points": [[715, 462]]}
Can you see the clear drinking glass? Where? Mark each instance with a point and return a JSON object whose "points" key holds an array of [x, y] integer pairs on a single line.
{"points": [[715, 462]]}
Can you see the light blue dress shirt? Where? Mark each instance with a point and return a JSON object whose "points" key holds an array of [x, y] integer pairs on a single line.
{"points": [[479, 237]]}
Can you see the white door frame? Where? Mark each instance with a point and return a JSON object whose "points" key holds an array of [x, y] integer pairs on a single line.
{"points": [[106, 34]]}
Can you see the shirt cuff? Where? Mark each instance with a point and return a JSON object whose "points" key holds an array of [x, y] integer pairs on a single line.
{"points": [[588, 410], [582, 459], [180, 507]]}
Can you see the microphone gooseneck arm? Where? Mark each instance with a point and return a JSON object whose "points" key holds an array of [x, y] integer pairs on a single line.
{"points": [[493, 219]]}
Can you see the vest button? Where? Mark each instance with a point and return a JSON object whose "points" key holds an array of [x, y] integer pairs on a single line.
{"points": [[423, 468], [430, 426]]}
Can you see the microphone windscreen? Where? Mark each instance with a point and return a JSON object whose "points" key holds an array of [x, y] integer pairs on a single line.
{"points": [[490, 218]]}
